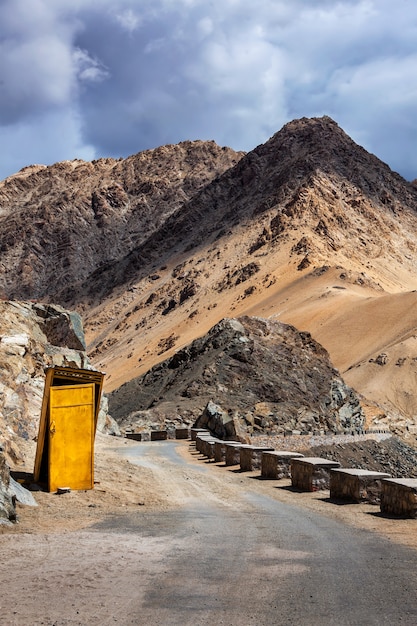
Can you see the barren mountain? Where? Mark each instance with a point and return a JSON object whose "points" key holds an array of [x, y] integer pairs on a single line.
{"points": [[59, 223], [308, 229]]}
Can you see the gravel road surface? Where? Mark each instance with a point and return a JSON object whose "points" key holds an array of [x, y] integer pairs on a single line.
{"points": [[229, 550]]}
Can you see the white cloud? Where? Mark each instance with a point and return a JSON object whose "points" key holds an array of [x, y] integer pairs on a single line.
{"points": [[35, 61], [87, 68], [129, 20], [205, 26], [34, 74]]}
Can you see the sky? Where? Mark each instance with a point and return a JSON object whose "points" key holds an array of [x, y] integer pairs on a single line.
{"points": [[108, 78]]}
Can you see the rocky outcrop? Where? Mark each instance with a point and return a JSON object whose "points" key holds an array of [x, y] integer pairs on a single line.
{"points": [[10, 492], [262, 374], [221, 424], [32, 337], [105, 423], [389, 455]]}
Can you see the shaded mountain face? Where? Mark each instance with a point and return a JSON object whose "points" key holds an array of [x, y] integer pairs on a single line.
{"points": [[58, 224], [262, 373], [308, 229]]}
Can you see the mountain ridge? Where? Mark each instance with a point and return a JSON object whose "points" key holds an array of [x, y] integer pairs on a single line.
{"points": [[191, 220], [100, 209], [308, 228]]}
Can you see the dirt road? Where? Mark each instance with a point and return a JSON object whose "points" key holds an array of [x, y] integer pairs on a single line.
{"points": [[203, 544]]}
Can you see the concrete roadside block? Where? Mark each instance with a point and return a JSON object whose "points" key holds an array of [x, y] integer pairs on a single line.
{"points": [[276, 464], [159, 435], [220, 450], [203, 445], [182, 433], [232, 454], [250, 457], [311, 473], [196, 431], [399, 497], [356, 485], [209, 447], [134, 436], [200, 441]]}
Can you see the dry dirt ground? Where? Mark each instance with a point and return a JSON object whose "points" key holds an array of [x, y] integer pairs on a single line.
{"points": [[105, 556]]}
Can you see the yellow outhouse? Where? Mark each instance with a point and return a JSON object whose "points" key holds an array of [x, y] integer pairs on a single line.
{"points": [[65, 448]]}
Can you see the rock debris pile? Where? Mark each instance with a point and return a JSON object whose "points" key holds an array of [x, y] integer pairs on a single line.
{"points": [[261, 375], [378, 452]]}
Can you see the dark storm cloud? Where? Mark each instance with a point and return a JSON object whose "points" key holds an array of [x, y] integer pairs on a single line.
{"points": [[84, 79]]}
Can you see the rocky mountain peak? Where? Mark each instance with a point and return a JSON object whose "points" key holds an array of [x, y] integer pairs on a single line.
{"points": [[307, 145], [310, 179]]}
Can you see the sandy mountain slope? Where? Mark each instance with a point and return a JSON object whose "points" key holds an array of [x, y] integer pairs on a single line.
{"points": [[308, 228]]}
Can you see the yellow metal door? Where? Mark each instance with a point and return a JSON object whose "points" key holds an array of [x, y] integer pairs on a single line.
{"points": [[71, 437]]}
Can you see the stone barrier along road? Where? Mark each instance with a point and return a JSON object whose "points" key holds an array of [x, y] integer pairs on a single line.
{"points": [[219, 451], [195, 431], [159, 435], [134, 436], [182, 433], [277, 463], [250, 457], [232, 454], [311, 473], [200, 439]]}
